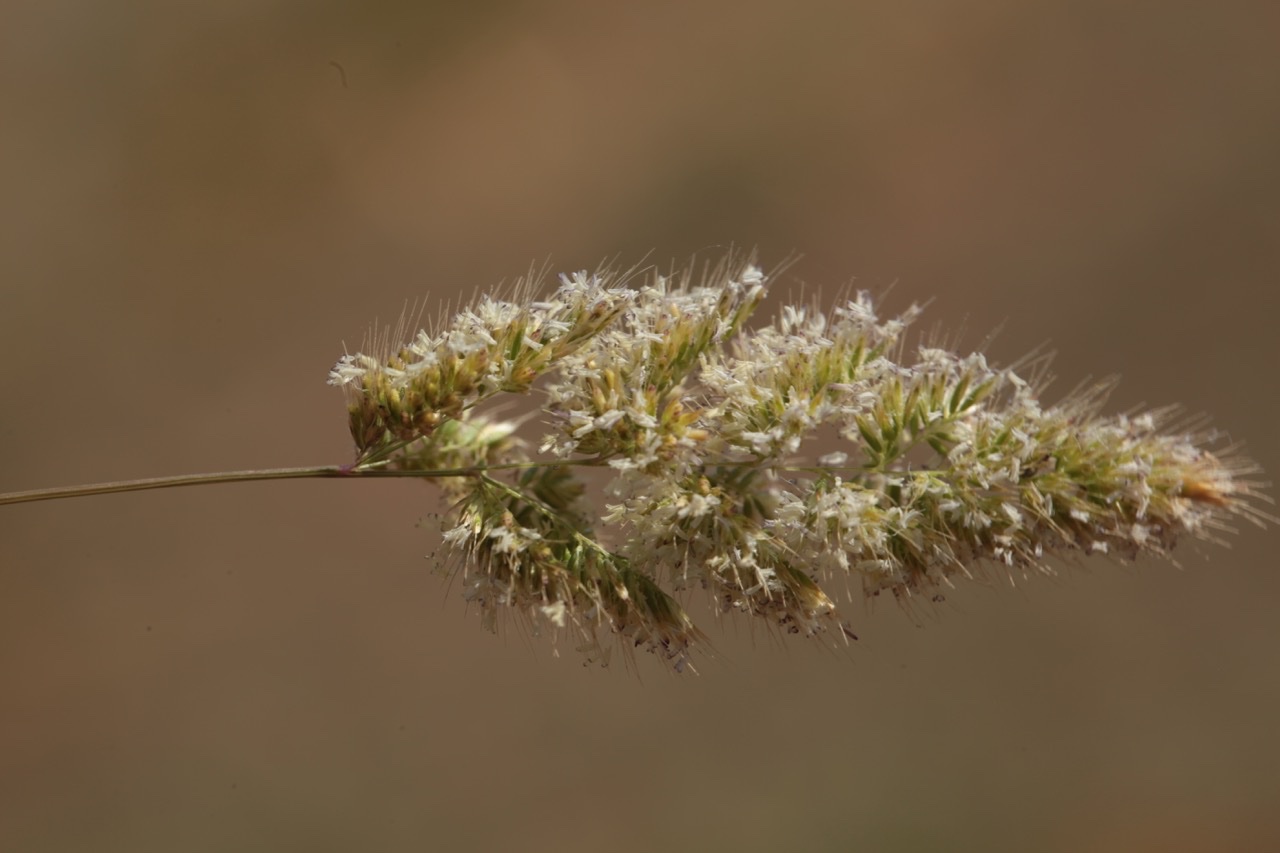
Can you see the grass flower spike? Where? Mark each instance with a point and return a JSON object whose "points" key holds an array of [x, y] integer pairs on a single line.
{"points": [[779, 467], [718, 443]]}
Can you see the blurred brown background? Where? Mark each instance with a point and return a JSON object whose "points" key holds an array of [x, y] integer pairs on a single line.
{"points": [[196, 213]]}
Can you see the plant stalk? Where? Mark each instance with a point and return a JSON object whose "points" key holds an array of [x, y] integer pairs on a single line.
{"points": [[118, 486]]}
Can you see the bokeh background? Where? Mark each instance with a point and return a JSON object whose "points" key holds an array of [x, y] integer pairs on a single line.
{"points": [[202, 201]]}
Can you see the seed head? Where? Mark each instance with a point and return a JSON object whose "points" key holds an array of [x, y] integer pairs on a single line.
{"points": [[717, 438]]}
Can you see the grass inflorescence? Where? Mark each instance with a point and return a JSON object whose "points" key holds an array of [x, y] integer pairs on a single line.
{"points": [[946, 465]]}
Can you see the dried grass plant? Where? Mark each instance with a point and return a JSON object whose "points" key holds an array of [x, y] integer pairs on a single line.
{"points": [[949, 467]]}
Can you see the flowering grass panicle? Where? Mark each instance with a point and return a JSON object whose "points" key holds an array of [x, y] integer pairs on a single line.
{"points": [[718, 439]]}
